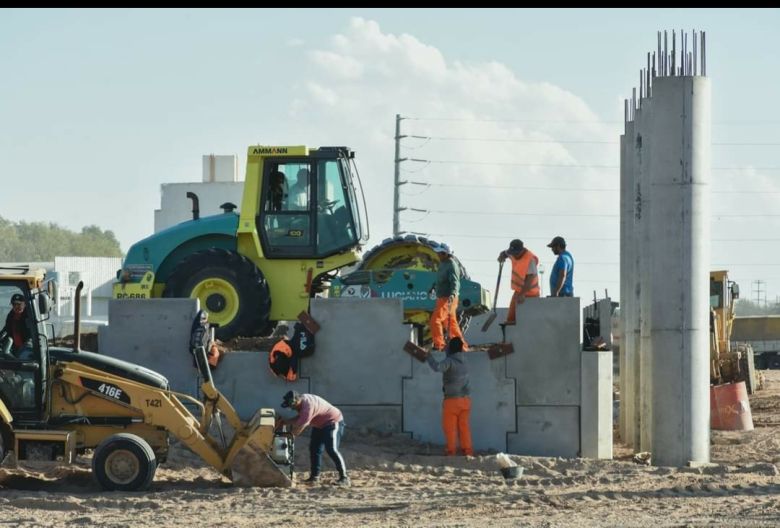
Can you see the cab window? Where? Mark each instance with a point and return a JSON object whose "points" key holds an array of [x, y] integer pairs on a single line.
{"points": [[335, 225], [287, 223], [17, 346]]}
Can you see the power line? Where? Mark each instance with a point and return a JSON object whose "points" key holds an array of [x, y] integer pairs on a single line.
{"points": [[560, 165], [571, 121], [577, 189], [461, 162], [566, 141], [498, 213]]}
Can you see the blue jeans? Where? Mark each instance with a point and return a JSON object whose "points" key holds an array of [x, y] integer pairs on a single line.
{"points": [[328, 437]]}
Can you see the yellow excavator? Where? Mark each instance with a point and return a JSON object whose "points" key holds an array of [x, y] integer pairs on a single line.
{"points": [[56, 403], [728, 364]]}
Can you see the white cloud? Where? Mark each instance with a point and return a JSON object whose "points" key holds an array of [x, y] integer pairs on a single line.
{"points": [[364, 77]]}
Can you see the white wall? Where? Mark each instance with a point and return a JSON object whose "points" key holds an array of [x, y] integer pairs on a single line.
{"points": [[175, 207], [220, 168]]}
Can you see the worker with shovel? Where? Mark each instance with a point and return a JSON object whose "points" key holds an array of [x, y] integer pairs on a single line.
{"points": [[525, 277], [447, 287]]}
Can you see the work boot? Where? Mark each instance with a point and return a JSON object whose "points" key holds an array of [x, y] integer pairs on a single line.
{"points": [[313, 479], [344, 481]]}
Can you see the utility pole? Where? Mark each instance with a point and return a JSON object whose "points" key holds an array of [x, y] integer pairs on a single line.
{"points": [[758, 291], [397, 176]]}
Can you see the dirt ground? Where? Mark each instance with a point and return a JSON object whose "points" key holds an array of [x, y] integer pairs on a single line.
{"points": [[399, 482]]}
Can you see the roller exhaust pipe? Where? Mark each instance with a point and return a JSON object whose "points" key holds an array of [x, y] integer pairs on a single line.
{"points": [[77, 318], [195, 205]]}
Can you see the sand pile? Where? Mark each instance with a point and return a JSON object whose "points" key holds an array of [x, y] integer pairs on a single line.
{"points": [[399, 482]]}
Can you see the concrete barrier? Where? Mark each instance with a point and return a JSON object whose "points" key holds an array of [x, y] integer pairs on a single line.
{"points": [[154, 333], [525, 403], [492, 402]]}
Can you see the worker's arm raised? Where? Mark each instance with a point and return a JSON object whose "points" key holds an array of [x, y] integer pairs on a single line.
{"points": [[439, 366]]}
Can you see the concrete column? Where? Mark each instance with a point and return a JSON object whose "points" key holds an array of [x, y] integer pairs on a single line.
{"points": [[626, 287], [642, 146], [680, 240], [632, 357]]}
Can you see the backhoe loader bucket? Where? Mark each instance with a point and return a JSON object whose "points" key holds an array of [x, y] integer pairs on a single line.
{"points": [[253, 465]]}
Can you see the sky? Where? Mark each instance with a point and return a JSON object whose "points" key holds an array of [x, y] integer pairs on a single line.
{"points": [[100, 107]]}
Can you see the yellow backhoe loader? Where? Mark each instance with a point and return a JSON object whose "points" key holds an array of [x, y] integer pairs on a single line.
{"points": [[728, 364], [56, 403]]}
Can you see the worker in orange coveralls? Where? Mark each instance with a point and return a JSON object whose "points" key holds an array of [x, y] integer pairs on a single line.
{"points": [[447, 287], [457, 403], [525, 277]]}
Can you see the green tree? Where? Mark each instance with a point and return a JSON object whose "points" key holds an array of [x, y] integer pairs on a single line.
{"points": [[744, 307], [40, 241]]}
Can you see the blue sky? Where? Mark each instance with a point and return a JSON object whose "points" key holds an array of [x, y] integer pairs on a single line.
{"points": [[99, 107]]}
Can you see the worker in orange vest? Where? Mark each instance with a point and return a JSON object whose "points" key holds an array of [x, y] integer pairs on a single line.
{"points": [[525, 276], [447, 287]]}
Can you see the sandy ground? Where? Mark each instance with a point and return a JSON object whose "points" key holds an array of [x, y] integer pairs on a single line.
{"points": [[399, 482]]}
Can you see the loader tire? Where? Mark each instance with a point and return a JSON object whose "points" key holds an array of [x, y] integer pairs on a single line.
{"points": [[124, 462], [231, 289]]}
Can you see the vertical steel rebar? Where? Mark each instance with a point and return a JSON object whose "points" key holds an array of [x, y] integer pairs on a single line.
{"points": [[703, 55]]}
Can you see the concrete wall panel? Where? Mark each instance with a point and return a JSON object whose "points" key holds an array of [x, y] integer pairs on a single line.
{"points": [[492, 402], [546, 431], [546, 361], [380, 418], [474, 334], [245, 379], [359, 356], [154, 333]]}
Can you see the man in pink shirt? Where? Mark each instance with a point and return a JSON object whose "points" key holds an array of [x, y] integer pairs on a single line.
{"points": [[327, 428]]}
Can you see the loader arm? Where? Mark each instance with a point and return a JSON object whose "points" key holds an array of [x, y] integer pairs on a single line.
{"points": [[164, 409]]}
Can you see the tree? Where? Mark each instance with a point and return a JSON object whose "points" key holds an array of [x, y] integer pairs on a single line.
{"points": [[39, 241], [743, 307]]}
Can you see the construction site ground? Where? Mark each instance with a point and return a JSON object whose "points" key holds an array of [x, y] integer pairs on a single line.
{"points": [[399, 482]]}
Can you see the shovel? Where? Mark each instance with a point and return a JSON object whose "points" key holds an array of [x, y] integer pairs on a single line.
{"points": [[492, 317]]}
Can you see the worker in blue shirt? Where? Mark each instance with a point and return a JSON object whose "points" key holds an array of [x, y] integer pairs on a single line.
{"points": [[562, 275]]}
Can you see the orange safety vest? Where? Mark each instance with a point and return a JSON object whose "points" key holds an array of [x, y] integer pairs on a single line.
{"points": [[282, 348], [520, 270]]}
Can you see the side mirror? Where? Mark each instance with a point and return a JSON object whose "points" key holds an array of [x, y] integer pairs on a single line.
{"points": [[734, 290], [44, 305]]}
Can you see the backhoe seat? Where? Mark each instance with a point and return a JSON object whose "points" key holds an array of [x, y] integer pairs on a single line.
{"points": [[110, 365]]}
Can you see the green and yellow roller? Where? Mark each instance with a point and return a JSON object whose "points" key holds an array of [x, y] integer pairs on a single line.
{"points": [[302, 218]]}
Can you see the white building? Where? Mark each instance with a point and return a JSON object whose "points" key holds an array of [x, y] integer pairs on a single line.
{"points": [[219, 184]]}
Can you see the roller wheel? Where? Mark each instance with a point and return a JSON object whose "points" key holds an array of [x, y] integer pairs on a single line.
{"points": [[231, 289], [124, 462], [415, 253]]}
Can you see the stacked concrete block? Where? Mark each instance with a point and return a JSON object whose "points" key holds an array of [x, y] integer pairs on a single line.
{"points": [[525, 403], [492, 402], [247, 381], [474, 334], [546, 367], [153, 333], [596, 405], [359, 359]]}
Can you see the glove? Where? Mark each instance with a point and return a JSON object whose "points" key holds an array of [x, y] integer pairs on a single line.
{"points": [[502, 256]]}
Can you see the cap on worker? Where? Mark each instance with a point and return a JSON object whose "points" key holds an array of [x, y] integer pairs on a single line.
{"points": [[442, 248], [557, 241], [290, 398], [17, 297], [515, 247]]}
